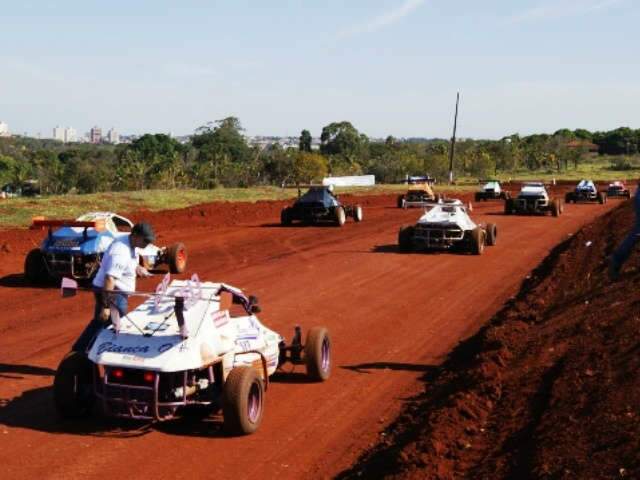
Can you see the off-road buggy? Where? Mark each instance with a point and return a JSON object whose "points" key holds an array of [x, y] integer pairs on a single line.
{"points": [[533, 199], [586, 191], [319, 204], [190, 344], [491, 190], [74, 248], [618, 189], [419, 193], [447, 225]]}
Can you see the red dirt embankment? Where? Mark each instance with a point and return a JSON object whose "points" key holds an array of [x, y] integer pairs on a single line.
{"points": [[548, 389]]}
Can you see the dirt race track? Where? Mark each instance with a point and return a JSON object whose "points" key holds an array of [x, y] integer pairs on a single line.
{"points": [[391, 316]]}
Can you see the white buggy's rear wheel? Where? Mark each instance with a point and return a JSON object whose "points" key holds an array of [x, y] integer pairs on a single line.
{"points": [[73, 386]]}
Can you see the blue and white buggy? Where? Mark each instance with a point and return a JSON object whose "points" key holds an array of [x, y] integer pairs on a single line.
{"points": [[189, 344], [586, 191], [74, 248], [319, 204]]}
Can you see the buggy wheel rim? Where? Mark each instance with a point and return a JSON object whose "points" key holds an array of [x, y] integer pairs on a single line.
{"points": [[325, 355], [254, 403]]}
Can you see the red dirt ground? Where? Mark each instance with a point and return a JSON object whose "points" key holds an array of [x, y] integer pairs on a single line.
{"points": [[549, 389], [392, 318]]}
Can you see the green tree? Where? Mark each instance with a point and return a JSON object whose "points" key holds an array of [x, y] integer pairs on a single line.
{"points": [[305, 141], [342, 138]]}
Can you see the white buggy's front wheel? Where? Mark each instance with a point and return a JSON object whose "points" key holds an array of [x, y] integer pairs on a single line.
{"points": [[243, 401]]}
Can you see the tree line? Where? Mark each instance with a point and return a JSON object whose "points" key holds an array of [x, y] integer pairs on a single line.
{"points": [[218, 154]]}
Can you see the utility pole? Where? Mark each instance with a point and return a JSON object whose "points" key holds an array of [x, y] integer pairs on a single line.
{"points": [[453, 140]]}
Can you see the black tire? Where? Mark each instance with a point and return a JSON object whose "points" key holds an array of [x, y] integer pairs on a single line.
{"points": [[478, 197], [492, 234], [341, 216], [73, 386], [508, 206], [35, 269], [285, 218], [177, 258], [438, 197], [627, 194], [602, 198], [400, 201], [568, 197], [477, 241], [405, 239], [242, 401], [555, 207], [357, 213], [317, 354]]}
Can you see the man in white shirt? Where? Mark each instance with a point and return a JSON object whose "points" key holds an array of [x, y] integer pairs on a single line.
{"points": [[118, 270]]}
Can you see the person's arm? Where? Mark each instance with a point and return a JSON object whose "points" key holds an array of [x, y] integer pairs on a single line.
{"points": [[109, 286]]}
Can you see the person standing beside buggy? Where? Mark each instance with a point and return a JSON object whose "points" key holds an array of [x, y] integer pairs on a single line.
{"points": [[622, 253], [118, 270]]}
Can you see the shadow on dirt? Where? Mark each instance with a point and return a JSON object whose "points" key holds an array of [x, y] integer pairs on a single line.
{"points": [[14, 371], [427, 370], [298, 225], [34, 410], [394, 248], [290, 377], [17, 280]]}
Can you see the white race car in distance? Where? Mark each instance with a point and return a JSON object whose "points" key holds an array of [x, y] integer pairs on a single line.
{"points": [[188, 344], [447, 226]]}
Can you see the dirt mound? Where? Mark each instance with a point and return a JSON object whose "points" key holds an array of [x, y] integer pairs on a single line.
{"points": [[548, 389]]}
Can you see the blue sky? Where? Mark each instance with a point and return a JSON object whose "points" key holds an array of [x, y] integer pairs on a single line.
{"points": [[388, 66]]}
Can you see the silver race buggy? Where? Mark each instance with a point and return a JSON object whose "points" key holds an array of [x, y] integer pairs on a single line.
{"points": [[447, 225]]}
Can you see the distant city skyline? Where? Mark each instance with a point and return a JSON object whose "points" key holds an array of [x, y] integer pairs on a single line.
{"points": [[390, 67]]}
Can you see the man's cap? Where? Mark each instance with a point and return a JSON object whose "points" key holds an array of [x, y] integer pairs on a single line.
{"points": [[145, 231]]}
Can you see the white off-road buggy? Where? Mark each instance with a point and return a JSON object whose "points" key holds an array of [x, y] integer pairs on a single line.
{"points": [[188, 344], [533, 199], [447, 225]]}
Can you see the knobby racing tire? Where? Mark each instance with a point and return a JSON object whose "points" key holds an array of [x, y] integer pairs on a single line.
{"points": [[556, 209], [357, 213], [35, 270], [400, 201], [478, 197], [508, 206], [242, 401], [177, 258], [602, 198], [492, 234], [285, 218], [405, 239], [477, 241], [568, 197], [341, 216], [317, 354], [73, 386]]}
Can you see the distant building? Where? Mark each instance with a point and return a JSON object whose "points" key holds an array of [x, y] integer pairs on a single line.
{"points": [[4, 129], [95, 135], [113, 136], [70, 135], [58, 133]]}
